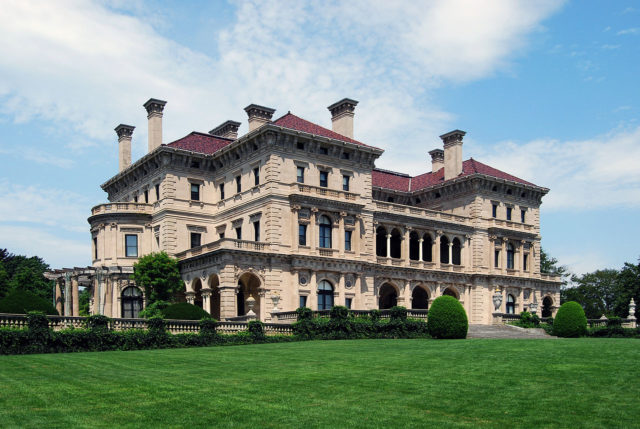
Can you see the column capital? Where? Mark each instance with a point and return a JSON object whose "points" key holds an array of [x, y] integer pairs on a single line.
{"points": [[154, 106], [124, 131]]}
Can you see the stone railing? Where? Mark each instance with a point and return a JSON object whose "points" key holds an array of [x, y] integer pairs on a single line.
{"points": [[323, 192], [419, 212], [125, 207], [225, 243], [292, 316], [504, 318], [499, 223]]}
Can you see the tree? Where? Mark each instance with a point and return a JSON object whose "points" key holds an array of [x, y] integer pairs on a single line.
{"points": [[158, 275], [84, 296], [24, 273], [595, 292], [628, 286], [549, 265]]}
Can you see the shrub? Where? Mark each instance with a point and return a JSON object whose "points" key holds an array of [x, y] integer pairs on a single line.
{"points": [[154, 309], [184, 311], [98, 322], [208, 326], [39, 333], [375, 314], [447, 318], [339, 312], [21, 301], [570, 320], [156, 324], [528, 320], [398, 313], [304, 313], [256, 329]]}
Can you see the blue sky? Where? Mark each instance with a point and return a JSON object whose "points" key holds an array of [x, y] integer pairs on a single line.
{"points": [[544, 89]]}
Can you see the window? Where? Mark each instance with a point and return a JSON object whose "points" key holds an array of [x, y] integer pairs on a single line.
{"points": [[509, 210], [131, 300], [511, 304], [302, 235], [494, 210], [323, 151], [135, 198], [157, 192], [496, 259], [95, 247], [300, 175], [525, 262], [389, 199], [195, 239], [347, 302], [345, 183], [256, 230], [324, 179], [238, 184], [325, 232], [146, 196], [195, 192], [256, 176], [239, 233], [347, 240], [523, 215], [221, 235], [300, 145], [131, 245], [158, 241], [222, 191], [325, 295], [303, 301], [345, 155], [195, 164], [510, 255]]}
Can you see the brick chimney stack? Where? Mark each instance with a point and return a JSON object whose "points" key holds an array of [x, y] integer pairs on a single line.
{"points": [[154, 115], [258, 115], [342, 116], [452, 153], [437, 159], [124, 145], [228, 129]]}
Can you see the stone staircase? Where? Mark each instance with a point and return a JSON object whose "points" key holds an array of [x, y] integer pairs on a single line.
{"points": [[506, 331]]}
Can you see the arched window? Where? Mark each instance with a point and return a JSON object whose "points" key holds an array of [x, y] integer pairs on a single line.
{"points": [[381, 241], [450, 292], [325, 295], [547, 303], [131, 301], [427, 246], [396, 243], [510, 254], [388, 296], [511, 304], [414, 246], [419, 298], [325, 232], [444, 250], [455, 251]]}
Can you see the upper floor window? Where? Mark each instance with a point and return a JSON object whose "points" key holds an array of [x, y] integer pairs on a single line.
{"points": [[494, 210], [195, 192], [523, 215], [300, 175], [324, 179], [302, 235], [238, 184], [135, 198], [323, 150], [510, 256], [347, 240], [509, 210], [222, 191], [256, 230], [345, 183], [325, 232], [239, 233], [157, 192], [131, 245], [525, 262], [345, 155], [496, 259], [95, 247], [256, 176], [195, 239], [300, 145], [146, 196]]}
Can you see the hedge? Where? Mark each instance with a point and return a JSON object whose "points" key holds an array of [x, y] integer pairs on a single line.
{"points": [[570, 321], [22, 301], [447, 318]]}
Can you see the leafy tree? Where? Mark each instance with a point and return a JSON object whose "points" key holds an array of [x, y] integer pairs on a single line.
{"points": [[84, 297], [24, 273], [158, 275], [595, 292], [628, 286]]}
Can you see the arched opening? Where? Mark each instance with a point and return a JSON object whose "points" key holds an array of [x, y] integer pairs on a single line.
{"points": [[214, 300], [511, 304], [455, 251], [197, 288], [248, 285], [419, 298], [396, 243], [324, 227], [325, 295], [414, 246], [444, 250], [388, 296], [547, 304], [451, 292], [510, 255], [381, 241], [427, 248], [131, 302]]}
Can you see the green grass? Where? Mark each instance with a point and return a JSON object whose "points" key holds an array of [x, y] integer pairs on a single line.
{"points": [[364, 383]]}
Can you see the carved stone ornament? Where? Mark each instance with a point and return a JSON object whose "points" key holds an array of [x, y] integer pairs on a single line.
{"points": [[527, 293], [632, 309], [497, 300]]}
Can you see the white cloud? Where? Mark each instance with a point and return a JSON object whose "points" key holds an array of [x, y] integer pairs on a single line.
{"points": [[39, 157], [582, 175], [631, 31]]}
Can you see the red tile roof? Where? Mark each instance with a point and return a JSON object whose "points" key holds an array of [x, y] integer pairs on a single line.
{"points": [[294, 122], [400, 182], [200, 142]]}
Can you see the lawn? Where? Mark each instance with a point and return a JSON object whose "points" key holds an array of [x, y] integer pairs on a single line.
{"points": [[363, 383]]}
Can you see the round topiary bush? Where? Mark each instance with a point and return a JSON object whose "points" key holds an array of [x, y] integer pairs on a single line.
{"points": [[570, 320], [447, 318], [184, 311], [22, 301]]}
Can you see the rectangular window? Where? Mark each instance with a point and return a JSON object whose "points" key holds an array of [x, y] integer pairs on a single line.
{"points": [[95, 247], [523, 215], [195, 192], [494, 210], [324, 179], [496, 259], [300, 176], [135, 198], [345, 155], [256, 230], [509, 209], [195, 239], [158, 192], [347, 302], [146, 196], [303, 301], [239, 233], [131, 245], [300, 145], [345, 183], [238, 184], [158, 241], [525, 262], [222, 191], [302, 235], [323, 151], [347, 240], [256, 176]]}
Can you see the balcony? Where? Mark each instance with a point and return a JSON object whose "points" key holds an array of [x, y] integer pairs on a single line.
{"points": [[225, 244], [418, 212], [126, 207], [506, 224], [301, 188]]}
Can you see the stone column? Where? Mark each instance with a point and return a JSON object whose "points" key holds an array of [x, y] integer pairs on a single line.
{"points": [[312, 299], [341, 294], [406, 251], [191, 297], [451, 253], [341, 234], [420, 253], [504, 256], [67, 294], [227, 302], [206, 301], [521, 256], [436, 252], [388, 245], [75, 309], [58, 296]]}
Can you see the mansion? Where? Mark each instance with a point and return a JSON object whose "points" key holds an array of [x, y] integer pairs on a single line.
{"points": [[292, 214]]}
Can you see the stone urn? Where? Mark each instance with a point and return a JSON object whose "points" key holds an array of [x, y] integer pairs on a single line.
{"points": [[251, 302], [632, 309], [275, 298], [533, 307], [497, 300]]}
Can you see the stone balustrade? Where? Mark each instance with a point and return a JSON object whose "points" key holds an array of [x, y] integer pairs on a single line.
{"points": [[421, 213], [124, 207], [302, 188], [225, 243], [292, 316]]}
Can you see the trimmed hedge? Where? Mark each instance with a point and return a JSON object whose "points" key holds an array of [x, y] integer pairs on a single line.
{"points": [[570, 320], [184, 311], [22, 301], [447, 318]]}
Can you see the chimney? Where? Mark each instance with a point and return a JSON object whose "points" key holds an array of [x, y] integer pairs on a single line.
{"points": [[258, 115], [154, 115], [124, 145], [342, 116], [452, 153], [228, 130], [437, 159]]}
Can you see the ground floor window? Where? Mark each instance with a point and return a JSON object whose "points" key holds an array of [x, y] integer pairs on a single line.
{"points": [[303, 301], [131, 300], [325, 295], [511, 304]]}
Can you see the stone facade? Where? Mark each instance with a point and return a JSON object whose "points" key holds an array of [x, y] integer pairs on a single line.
{"points": [[292, 213]]}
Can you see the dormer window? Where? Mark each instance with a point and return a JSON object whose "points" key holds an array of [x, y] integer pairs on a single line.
{"points": [[323, 150]]}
